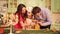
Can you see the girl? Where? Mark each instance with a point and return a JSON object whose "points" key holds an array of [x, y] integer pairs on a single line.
{"points": [[28, 21]]}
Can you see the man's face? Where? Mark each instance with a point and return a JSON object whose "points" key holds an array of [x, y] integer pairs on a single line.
{"points": [[38, 14]]}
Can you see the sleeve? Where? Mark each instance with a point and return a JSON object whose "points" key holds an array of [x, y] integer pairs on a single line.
{"points": [[21, 19]]}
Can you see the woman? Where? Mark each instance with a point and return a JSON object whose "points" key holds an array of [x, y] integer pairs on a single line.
{"points": [[20, 13]]}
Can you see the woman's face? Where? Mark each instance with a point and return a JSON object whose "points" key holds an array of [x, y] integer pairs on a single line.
{"points": [[24, 10]]}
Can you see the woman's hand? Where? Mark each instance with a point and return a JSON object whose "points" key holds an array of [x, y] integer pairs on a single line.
{"points": [[15, 20]]}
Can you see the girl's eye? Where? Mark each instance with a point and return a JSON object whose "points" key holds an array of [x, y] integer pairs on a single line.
{"points": [[28, 12]]}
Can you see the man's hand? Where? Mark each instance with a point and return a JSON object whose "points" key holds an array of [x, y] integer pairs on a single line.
{"points": [[42, 24]]}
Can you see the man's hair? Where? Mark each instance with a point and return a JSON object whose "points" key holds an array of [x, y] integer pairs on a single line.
{"points": [[35, 10]]}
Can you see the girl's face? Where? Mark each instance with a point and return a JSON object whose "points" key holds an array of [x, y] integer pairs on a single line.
{"points": [[24, 10], [29, 14]]}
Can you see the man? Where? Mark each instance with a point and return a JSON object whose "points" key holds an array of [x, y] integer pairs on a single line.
{"points": [[43, 17]]}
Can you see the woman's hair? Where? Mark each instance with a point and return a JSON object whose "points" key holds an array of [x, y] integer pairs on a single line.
{"points": [[19, 10], [35, 10]]}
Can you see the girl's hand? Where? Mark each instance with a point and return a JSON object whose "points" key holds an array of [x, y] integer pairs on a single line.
{"points": [[32, 24], [35, 21]]}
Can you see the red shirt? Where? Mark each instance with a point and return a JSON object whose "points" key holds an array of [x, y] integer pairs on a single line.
{"points": [[20, 19]]}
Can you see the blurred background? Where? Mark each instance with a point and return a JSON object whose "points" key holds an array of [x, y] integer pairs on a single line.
{"points": [[10, 6]]}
